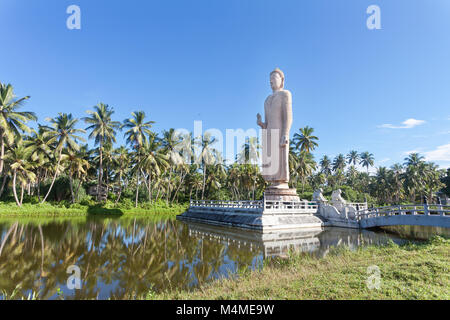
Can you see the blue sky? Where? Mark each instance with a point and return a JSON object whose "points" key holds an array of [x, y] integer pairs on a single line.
{"points": [[182, 61]]}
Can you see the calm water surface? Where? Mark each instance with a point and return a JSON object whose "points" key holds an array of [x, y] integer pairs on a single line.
{"points": [[124, 258]]}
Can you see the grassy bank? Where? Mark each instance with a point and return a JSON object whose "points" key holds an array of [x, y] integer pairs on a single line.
{"points": [[62, 209], [412, 271]]}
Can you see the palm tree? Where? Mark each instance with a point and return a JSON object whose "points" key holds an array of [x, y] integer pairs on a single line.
{"points": [[367, 160], [432, 180], [352, 173], [305, 141], [170, 142], [413, 159], [42, 154], [250, 151], [397, 181], [353, 157], [250, 155], [382, 184], [306, 166], [122, 162], [153, 161], [20, 162], [138, 130], [339, 163], [103, 131], [325, 165], [63, 134], [11, 120], [78, 168], [207, 156]]}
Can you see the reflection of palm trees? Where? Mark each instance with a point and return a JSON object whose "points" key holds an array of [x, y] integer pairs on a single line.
{"points": [[127, 256]]}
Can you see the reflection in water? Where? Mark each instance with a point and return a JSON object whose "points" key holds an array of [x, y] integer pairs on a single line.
{"points": [[126, 258], [316, 241], [418, 232]]}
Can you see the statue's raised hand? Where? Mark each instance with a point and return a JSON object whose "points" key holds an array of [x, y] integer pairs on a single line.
{"points": [[259, 121]]}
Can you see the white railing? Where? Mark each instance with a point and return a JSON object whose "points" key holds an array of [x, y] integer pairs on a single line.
{"points": [[422, 210], [306, 206], [226, 204], [259, 205], [359, 206]]}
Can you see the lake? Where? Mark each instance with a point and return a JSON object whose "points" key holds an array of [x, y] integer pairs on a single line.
{"points": [[124, 258]]}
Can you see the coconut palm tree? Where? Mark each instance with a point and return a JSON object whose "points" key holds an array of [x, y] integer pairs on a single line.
{"points": [[63, 134], [137, 131], [367, 160], [78, 168], [153, 160], [305, 141], [122, 162], [207, 155], [19, 159], [170, 142], [42, 154], [306, 166], [103, 131], [397, 181], [353, 157], [325, 165], [250, 151], [339, 163], [382, 184], [11, 120], [413, 159]]}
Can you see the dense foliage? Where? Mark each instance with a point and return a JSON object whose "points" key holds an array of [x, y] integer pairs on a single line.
{"points": [[52, 163]]}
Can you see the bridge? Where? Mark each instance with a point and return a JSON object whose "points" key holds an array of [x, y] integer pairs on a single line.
{"points": [[405, 215], [266, 215]]}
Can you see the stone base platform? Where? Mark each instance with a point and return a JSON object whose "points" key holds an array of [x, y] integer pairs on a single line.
{"points": [[281, 194], [255, 215]]}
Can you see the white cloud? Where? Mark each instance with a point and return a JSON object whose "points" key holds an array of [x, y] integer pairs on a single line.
{"points": [[407, 153], [407, 124], [442, 153]]}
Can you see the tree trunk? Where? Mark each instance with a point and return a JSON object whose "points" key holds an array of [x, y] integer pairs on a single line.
{"points": [[21, 194], [168, 186], [14, 189], [2, 152], [137, 187], [157, 195], [120, 187], [100, 171], [71, 185], [54, 176], [179, 187], [150, 187], [3, 184], [77, 193], [204, 181]]}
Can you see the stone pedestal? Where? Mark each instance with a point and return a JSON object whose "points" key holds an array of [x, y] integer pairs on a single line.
{"points": [[281, 194]]}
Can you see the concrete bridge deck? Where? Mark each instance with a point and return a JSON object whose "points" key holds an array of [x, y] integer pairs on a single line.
{"points": [[275, 215]]}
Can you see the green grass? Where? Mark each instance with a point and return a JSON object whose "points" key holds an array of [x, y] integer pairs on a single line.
{"points": [[412, 271], [74, 210]]}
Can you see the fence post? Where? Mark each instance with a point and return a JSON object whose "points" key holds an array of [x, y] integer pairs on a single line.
{"points": [[426, 211]]}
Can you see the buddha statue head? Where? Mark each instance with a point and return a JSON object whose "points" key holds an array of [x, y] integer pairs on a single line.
{"points": [[277, 79]]}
